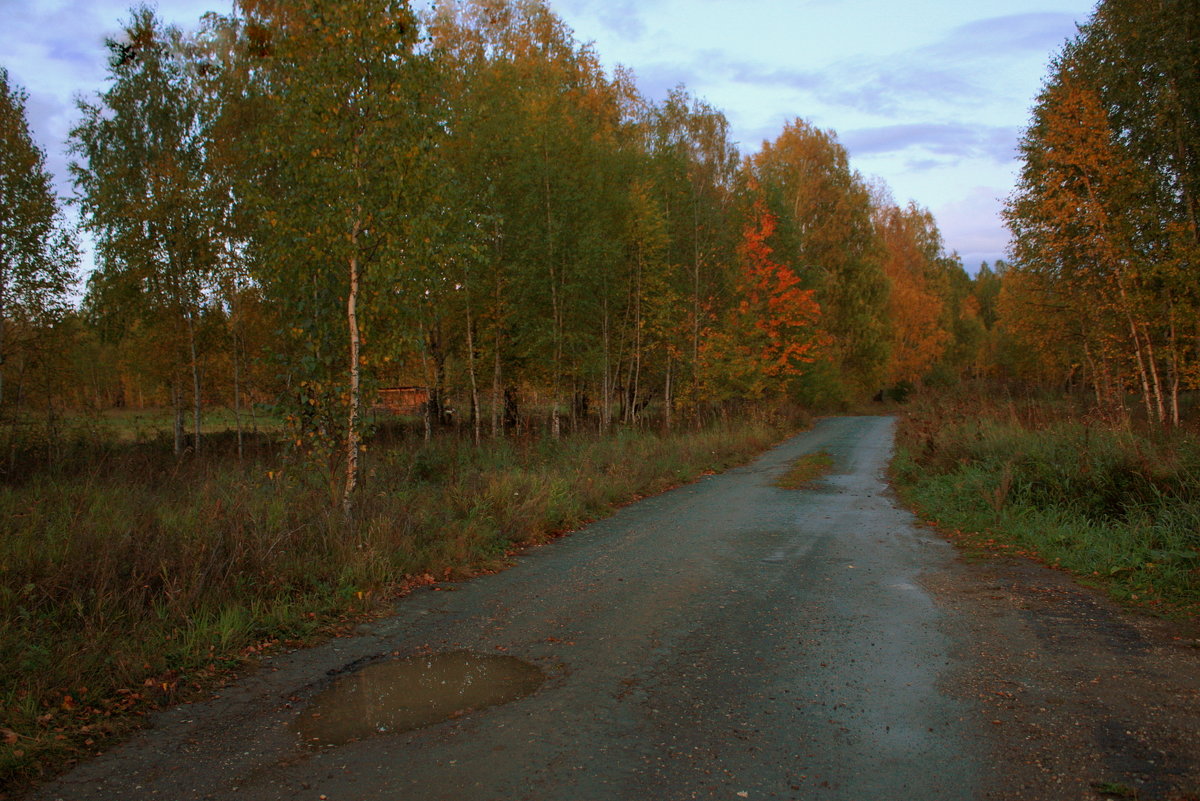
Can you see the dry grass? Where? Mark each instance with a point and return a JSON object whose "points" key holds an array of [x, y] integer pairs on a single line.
{"points": [[805, 470], [131, 580]]}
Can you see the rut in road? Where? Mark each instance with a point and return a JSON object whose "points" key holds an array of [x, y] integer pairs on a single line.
{"points": [[728, 639]]}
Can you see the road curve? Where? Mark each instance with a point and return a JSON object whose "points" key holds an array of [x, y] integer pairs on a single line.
{"points": [[725, 640]]}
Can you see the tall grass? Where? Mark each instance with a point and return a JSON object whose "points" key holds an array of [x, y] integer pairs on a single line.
{"points": [[132, 578], [1119, 507]]}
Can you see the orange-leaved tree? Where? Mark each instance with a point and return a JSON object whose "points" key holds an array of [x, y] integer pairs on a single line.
{"points": [[911, 253], [770, 332]]}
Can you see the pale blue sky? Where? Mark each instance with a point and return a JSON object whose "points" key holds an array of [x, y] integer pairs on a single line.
{"points": [[929, 95]]}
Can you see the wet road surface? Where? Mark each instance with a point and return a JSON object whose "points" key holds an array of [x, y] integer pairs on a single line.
{"points": [[725, 640]]}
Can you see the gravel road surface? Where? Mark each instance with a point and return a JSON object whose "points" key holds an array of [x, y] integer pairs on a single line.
{"points": [[725, 640]]}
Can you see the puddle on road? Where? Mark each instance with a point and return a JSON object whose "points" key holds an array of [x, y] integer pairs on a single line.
{"points": [[403, 694]]}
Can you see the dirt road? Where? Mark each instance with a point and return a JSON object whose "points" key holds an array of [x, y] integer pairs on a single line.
{"points": [[725, 640]]}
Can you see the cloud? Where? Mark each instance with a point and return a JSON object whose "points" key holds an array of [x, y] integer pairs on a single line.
{"points": [[892, 88], [875, 86], [1041, 32], [946, 140], [626, 18], [714, 61], [53, 49], [654, 81], [949, 71], [971, 225], [750, 140]]}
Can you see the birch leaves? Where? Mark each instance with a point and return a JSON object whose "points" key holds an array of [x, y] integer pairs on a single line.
{"points": [[1104, 215]]}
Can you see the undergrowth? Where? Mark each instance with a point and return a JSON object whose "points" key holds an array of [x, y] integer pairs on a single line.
{"points": [[1119, 508], [136, 580]]}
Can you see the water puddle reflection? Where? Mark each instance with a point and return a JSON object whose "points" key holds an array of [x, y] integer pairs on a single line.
{"points": [[403, 694]]}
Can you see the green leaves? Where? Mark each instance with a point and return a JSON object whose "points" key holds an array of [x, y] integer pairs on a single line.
{"points": [[143, 179], [38, 251], [341, 137], [825, 231]]}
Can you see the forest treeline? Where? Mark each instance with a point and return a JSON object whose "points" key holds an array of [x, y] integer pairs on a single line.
{"points": [[306, 201], [1104, 218]]}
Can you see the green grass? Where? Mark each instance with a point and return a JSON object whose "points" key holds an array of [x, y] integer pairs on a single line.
{"points": [[132, 580], [1114, 790], [131, 425], [1120, 509], [805, 470]]}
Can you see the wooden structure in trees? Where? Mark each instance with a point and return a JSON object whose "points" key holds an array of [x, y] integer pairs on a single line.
{"points": [[402, 400]]}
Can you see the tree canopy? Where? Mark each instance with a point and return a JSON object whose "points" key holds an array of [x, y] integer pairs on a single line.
{"points": [[301, 203]]}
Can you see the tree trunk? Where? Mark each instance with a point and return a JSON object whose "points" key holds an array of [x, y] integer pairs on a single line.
{"points": [[2, 342], [1174, 344], [429, 401], [352, 437], [237, 369], [695, 289], [555, 300], [637, 341], [497, 388], [607, 386], [195, 365], [1147, 395], [1155, 381], [476, 423], [177, 403], [497, 378], [237, 400], [1143, 374], [667, 396]]}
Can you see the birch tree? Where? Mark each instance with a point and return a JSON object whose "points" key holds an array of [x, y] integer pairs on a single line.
{"points": [[140, 179], [37, 250], [344, 131]]}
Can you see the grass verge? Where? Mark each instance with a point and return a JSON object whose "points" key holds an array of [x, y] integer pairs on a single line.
{"points": [[137, 581], [1119, 509], [805, 470]]}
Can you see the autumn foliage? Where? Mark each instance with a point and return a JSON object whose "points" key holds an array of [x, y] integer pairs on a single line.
{"points": [[918, 338], [771, 333], [493, 218], [777, 318], [1104, 217]]}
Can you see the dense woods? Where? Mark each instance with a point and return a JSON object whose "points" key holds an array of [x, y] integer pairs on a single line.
{"points": [[1103, 294], [304, 202]]}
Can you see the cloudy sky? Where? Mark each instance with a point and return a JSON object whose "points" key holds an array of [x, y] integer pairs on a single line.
{"points": [[929, 95]]}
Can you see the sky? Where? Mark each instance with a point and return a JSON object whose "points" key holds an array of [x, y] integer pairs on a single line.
{"points": [[931, 96]]}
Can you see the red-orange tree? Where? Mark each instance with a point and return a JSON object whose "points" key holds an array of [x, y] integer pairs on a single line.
{"points": [[825, 233], [771, 332]]}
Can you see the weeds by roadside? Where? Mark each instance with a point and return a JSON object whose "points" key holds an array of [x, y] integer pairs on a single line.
{"points": [[805, 470], [1118, 508], [138, 580]]}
